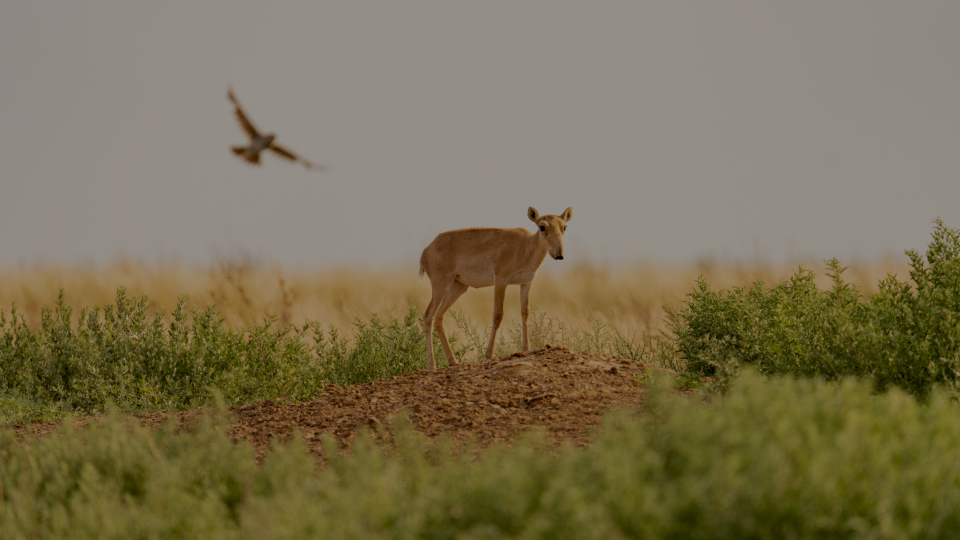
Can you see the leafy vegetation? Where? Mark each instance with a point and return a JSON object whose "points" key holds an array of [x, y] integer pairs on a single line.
{"points": [[808, 452], [774, 458], [120, 355], [905, 335]]}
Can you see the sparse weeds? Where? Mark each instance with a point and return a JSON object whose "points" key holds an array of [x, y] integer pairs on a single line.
{"points": [[542, 330]]}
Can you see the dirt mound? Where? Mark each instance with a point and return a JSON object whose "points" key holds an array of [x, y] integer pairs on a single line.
{"points": [[491, 400]]}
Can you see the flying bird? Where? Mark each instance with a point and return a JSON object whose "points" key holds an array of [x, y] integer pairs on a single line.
{"points": [[260, 142]]}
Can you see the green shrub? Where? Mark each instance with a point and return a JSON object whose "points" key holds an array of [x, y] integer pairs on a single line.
{"points": [[384, 347], [116, 355], [120, 355], [903, 335], [774, 458]]}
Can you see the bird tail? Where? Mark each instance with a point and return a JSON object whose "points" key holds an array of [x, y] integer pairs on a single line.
{"points": [[242, 152]]}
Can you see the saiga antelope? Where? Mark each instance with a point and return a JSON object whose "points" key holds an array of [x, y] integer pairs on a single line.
{"points": [[481, 257]]}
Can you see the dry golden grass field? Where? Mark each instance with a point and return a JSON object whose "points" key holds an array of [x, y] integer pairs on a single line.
{"points": [[632, 298]]}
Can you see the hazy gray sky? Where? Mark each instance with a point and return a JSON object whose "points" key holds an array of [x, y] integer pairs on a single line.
{"points": [[676, 130]]}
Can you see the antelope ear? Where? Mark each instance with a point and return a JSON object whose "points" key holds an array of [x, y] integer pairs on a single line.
{"points": [[533, 214], [567, 214]]}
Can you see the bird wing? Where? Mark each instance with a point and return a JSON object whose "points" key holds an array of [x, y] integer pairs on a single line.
{"points": [[245, 124], [284, 152], [281, 151]]}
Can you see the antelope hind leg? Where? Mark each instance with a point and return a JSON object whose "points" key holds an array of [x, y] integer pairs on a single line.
{"points": [[428, 318], [454, 291]]}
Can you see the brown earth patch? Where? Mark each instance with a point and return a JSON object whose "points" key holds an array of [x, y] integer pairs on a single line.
{"points": [[490, 401]]}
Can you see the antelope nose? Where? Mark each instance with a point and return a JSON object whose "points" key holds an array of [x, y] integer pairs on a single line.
{"points": [[559, 257]]}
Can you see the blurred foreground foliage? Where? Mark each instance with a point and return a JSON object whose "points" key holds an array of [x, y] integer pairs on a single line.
{"points": [[905, 335], [773, 458]]}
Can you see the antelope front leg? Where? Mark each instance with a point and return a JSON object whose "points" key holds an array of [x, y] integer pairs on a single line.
{"points": [[428, 334], [524, 313], [499, 290]]}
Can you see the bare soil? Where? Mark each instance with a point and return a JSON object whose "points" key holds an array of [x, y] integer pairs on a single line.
{"points": [[490, 401]]}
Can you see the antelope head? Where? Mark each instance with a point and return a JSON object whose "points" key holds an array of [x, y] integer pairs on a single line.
{"points": [[551, 229]]}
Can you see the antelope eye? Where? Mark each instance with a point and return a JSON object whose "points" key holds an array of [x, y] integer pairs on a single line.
{"points": [[543, 229], [564, 228]]}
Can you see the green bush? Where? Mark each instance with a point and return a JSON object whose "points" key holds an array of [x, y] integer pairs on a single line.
{"points": [[903, 335], [116, 354], [384, 347], [774, 458], [120, 355]]}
